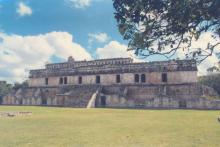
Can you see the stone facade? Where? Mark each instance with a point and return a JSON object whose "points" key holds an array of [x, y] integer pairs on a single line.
{"points": [[108, 69], [116, 83]]}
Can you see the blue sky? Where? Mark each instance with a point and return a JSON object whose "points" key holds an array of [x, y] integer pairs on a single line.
{"points": [[43, 31], [61, 15], [35, 32]]}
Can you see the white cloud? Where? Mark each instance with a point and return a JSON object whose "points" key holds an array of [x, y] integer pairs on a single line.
{"points": [[99, 37], [209, 62], [80, 3], [202, 43], [23, 9], [115, 49], [20, 53]]}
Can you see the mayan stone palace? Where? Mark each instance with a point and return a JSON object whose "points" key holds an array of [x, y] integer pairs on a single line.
{"points": [[117, 82]]}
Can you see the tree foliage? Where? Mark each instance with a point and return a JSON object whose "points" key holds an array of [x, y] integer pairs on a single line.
{"points": [[211, 80], [4, 89], [20, 85], [163, 27]]}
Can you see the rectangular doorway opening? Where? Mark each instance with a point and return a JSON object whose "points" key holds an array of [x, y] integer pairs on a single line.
{"points": [[182, 104], [103, 101], [98, 80], [44, 101]]}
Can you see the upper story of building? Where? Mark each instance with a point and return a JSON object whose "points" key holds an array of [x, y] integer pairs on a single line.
{"points": [[114, 71], [114, 65]]}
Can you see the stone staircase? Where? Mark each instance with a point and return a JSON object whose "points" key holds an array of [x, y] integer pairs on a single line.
{"points": [[77, 96], [114, 90]]}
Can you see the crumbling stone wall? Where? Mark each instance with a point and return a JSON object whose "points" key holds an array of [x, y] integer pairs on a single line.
{"points": [[126, 78], [179, 71], [187, 96], [69, 96], [167, 84]]}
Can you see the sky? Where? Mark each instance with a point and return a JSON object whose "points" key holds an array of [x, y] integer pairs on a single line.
{"points": [[36, 32]]}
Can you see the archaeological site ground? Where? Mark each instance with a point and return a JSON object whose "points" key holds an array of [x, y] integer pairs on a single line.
{"points": [[49, 127], [109, 73]]}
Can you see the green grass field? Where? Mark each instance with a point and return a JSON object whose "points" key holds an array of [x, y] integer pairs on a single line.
{"points": [[66, 127]]}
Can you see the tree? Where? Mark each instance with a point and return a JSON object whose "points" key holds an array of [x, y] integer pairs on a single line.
{"points": [[163, 27], [211, 80], [4, 89], [20, 85], [213, 69]]}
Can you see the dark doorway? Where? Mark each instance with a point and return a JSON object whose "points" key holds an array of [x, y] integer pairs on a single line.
{"points": [[61, 81], [118, 79], [164, 77], [65, 80], [97, 79], [44, 101], [0, 100], [103, 101], [182, 104], [143, 78], [46, 81], [136, 78], [80, 80], [20, 102]]}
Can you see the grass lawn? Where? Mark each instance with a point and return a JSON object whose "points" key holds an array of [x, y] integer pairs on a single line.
{"points": [[64, 127]]}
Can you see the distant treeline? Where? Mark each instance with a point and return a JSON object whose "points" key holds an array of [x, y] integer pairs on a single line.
{"points": [[211, 80], [4, 89]]}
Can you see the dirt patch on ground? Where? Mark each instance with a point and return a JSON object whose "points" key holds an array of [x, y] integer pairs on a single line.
{"points": [[15, 114]]}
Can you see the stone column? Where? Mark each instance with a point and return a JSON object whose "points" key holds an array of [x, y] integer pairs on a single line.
{"points": [[38, 101], [33, 102], [49, 101]]}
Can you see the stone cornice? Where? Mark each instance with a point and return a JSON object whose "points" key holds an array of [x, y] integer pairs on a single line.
{"points": [[165, 66]]}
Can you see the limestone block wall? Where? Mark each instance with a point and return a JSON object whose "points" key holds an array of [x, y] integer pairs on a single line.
{"points": [[187, 96], [34, 82], [86, 79], [177, 77], [190, 96], [68, 96], [52, 81], [116, 101], [182, 77]]}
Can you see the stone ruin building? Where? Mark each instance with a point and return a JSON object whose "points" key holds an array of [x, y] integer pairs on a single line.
{"points": [[117, 83]]}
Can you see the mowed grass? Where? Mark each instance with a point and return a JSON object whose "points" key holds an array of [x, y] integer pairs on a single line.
{"points": [[67, 127]]}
